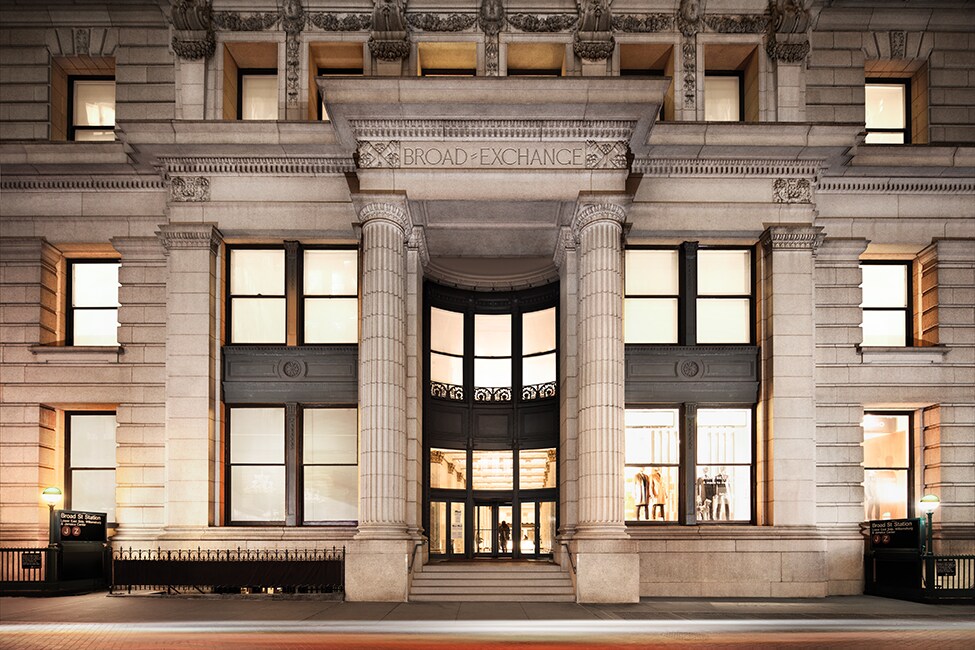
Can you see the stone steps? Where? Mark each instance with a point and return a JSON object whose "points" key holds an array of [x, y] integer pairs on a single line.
{"points": [[492, 581]]}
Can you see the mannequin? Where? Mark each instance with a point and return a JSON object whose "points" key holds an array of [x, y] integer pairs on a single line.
{"points": [[641, 493], [659, 490]]}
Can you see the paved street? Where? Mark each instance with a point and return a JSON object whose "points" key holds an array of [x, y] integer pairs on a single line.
{"points": [[210, 622]]}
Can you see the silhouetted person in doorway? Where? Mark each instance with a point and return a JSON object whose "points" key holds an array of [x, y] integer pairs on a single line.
{"points": [[504, 534]]}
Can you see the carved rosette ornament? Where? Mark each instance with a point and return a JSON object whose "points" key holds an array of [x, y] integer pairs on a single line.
{"points": [[189, 188], [792, 190], [594, 37], [193, 36], [490, 18], [389, 40]]}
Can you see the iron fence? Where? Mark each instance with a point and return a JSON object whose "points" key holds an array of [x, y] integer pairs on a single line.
{"points": [[230, 570], [20, 567], [949, 577], [924, 578]]}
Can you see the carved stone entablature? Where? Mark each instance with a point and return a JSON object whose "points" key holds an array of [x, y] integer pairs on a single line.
{"points": [[441, 22], [193, 29], [590, 213], [792, 238], [339, 23], [264, 166], [738, 23], [787, 52], [189, 188], [723, 168], [378, 154], [643, 23], [436, 129], [895, 186], [792, 190], [533, 23], [232, 21], [83, 184], [606, 155], [184, 236]]}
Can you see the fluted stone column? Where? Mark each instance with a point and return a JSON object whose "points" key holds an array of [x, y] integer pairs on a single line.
{"points": [[607, 562], [192, 344], [376, 568]]}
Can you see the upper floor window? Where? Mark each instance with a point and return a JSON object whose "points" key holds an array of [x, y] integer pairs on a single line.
{"points": [[250, 81], [91, 109], [90, 463], [280, 479], [658, 455], [886, 304], [93, 303], [887, 111], [887, 465], [688, 295], [723, 98], [331, 59], [496, 357], [731, 82], [258, 95], [535, 59], [435, 59], [266, 282]]}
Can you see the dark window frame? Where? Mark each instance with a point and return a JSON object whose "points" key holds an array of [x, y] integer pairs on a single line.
{"points": [[70, 309], [72, 128], [252, 72], [294, 467], [69, 468], [294, 295], [687, 292], [687, 468], [894, 81], [740, 74], [908, 309], [911, 509]]}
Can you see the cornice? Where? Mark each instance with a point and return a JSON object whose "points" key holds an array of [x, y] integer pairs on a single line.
{"points": [[762, 167], [260, 165], [393, 129], [792, 237], [183, 236], [81, 183], [895, 186]]}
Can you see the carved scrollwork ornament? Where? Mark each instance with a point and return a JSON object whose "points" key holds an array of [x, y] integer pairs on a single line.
{"points": [[546, 24], [787, 52], [389, 40], [643, 24], [335, 23], [189, 188], [738, 23], [594, 37], [193, 49], [792, 190], [193, 37], [234, 22], [428, 22], [789, 16]]}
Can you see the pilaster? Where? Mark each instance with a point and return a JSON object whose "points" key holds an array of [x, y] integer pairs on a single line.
{"points": [[192, 343], [788, 386], [566, 260]]}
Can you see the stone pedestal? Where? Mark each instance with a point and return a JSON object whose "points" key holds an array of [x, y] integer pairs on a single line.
{"points": [[377, 570]]}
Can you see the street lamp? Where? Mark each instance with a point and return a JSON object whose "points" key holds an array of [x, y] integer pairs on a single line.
{"points": [[52, 497], [929, 503]]}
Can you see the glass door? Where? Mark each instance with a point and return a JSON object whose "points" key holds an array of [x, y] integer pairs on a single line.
{"points": [[493, 530]]}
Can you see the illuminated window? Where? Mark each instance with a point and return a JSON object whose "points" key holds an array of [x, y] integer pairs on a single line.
{"points": [[258, 95], [886, 465], [260, 292], [535, 59], [658, 457], [91, 109], [93, 302], [330, 59], [723, 98], [688, 295], [250, 81], [90, 467], [436, 59], [731, 82], [886, 305], [265, 465], [887, 113]]}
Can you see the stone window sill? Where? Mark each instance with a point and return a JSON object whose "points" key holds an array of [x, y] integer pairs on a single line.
{"points": [[78, 354], [920, 356]]}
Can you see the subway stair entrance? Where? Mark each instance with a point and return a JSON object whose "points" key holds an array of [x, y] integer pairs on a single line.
{"points": [[486, 580]]}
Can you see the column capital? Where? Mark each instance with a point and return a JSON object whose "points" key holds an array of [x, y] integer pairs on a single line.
{"points": [[392, 207], [183, 236], [566, 242], [792, 237], [594, 209], [417, 242]]}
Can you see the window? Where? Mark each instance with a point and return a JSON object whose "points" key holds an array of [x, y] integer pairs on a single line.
{"points": [[887, 112], [91, 109], [92, 317], [688, 295], [723, 98], [886, 304], [90, 464], [276, 479], [325, 293], [446, 59], [650, 60], [660, 452], [330, 60], [258, 95], [535, 59], [250, 81], [887, 465]]}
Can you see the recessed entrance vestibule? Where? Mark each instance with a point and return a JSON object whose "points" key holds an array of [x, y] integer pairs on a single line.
{"points": [[491, 422]]}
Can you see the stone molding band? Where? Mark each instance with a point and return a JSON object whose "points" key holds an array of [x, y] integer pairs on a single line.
{"points": [[792, 238], [188, 236]]}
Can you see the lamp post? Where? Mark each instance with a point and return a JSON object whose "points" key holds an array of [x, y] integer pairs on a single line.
{"points": [[929, 503], [52, 497]]}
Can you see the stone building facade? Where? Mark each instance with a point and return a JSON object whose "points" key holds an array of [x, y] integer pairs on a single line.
{"points": [[684, 346]]}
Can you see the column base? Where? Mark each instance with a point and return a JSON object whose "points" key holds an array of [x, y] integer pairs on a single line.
{"points": [[607, 570], [377, 570]]}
